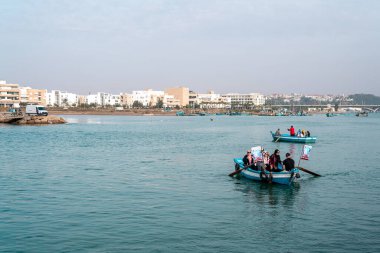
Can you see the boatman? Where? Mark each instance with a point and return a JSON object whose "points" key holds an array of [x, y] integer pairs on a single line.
{"points": [[292, 131]]}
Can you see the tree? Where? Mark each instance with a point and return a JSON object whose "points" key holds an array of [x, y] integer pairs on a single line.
{"points": [[159, 103], [137, 104]]}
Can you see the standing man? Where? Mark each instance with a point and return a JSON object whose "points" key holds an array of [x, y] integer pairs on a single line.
{"points": [[292, 131]]}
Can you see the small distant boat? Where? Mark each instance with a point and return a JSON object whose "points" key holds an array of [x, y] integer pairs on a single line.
{"points": [[362, 114], [288, 138], [330, 114], [180, 113], [234, 113], [283, 177]]}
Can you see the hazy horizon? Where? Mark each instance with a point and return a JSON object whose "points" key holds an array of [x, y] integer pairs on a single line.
{"points": [[309, 47]]}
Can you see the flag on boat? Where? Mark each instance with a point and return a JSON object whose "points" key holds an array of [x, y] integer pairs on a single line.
{"points": [[257, 153], [305, 152]]}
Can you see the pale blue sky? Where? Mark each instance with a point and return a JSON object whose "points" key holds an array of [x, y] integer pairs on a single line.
{"points": [[313, 46]]}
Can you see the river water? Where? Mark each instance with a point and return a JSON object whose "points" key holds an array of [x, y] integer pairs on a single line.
{"points": [[160, 184]]}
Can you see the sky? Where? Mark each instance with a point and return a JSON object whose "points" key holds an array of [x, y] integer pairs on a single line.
{"points": [[266, 46]]}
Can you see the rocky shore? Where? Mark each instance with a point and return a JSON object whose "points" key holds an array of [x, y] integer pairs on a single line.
{"points": [[32, 120], [40, 120]]}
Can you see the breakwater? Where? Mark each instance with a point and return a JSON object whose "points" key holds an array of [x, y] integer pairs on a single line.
{"points": [[30, 120]]}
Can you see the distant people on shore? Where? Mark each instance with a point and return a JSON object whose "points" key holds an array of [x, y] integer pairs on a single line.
{"points": [[292, 131], [288, 162]]}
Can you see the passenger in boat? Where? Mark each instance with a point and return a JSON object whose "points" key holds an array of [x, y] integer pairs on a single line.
{"points": [[288, 162], [275, 161], [292, 131], [307, 133], [249, 161], [299, 133], [303, 132], [277, 133]]}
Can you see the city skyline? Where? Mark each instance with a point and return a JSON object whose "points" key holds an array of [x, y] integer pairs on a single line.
{"points": [[313, 47]]}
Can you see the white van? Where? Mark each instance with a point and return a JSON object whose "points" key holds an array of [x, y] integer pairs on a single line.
{"points": [[36, 110]]}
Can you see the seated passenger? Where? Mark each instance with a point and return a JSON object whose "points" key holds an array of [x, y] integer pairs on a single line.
{"points": [[288, 162], [249, 161], [307, 133], [275, 161], [277, 133]]}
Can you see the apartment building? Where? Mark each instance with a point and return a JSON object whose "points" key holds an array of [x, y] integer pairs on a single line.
{"points": [[126, 99], [9, 94], [210, 100], [180, 93], [255, 99], [32, 96], [147, 97], [61, 99]]}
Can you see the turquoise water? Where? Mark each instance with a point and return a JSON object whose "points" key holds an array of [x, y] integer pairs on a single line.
{"points": [[160, 184]]}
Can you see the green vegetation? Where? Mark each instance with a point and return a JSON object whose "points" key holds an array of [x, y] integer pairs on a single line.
{"points": [[364, 99]]}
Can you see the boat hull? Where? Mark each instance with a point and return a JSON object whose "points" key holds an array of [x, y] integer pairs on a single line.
{"points": [[288, 138], [285, 177]]}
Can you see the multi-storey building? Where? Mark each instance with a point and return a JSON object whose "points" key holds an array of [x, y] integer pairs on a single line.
{"points": [[103, 99], [61, 99], [32, 96], [9, 94], [253, 99], [180, 93], [126, 99], [147, 97], [171, 101]]}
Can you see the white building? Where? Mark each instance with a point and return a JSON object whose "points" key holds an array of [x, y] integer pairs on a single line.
{"points": [[255, 99], [212, 100], [103, 99], [59, 98], [147, 97], [171, 101]]}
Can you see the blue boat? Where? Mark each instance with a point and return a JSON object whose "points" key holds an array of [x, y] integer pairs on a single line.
{"points": [[283, 177], [288, 138]]}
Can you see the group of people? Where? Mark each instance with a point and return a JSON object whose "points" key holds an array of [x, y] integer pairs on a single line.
{"points": [[271, 163], [300, 133]]}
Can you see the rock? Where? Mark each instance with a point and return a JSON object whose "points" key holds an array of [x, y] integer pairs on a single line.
{"points": [[40, 120]]}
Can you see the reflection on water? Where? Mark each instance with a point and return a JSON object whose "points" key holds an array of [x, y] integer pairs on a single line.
{"points": [[271, 195]]}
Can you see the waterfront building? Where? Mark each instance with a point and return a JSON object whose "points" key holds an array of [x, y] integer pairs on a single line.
{"points": [[250, 99], [180, 93], [171, 101], [103, 99], [126, 100], [81, 100], [32, 96], [212, 100], [113, 100], [9, 94], [61, 99], [147, 97]]}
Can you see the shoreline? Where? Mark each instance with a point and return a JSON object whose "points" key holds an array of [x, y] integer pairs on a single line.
{"points": [[117, 113], [150, 112]]}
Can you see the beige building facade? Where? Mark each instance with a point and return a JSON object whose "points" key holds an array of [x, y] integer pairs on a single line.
{"points": [[180, 93], [9, 94], [33, 96]]}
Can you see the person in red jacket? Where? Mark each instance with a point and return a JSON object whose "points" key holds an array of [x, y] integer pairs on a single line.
{"points": [[292, 131]]}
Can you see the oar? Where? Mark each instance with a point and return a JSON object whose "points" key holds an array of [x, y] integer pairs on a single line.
{"points": [[278, 139], [308, 171], [238, 171]]}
